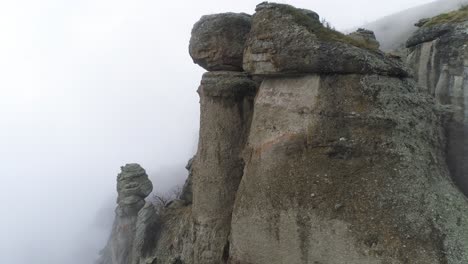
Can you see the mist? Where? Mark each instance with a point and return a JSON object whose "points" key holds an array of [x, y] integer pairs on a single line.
{"points": [[392, 31], [88, 86]]}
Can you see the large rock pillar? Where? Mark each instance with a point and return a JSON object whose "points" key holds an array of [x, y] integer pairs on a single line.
{"points": [[226, 100]]}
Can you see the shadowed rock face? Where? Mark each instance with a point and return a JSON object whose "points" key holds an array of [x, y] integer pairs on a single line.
{"points": [[217, 42], [439, 58]]}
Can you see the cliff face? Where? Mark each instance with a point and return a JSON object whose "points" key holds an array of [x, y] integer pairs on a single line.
{"points": [[314, 147], [438, 55]]}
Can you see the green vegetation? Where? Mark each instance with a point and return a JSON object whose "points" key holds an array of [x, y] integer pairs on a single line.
{"points": [[451, 17], [326, 33]]}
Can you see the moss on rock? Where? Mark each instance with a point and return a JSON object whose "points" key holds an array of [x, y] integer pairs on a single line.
{"points": [[457, 16]]}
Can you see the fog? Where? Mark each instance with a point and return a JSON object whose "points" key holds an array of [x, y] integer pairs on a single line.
{"points": [[393, 31], [87, 86]]}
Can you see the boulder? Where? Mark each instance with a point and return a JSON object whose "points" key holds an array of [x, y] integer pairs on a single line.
{"points": [[366, 36], [285, 41], [217, 42]]}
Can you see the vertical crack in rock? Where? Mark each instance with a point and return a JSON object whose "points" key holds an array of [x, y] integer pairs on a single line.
{"points": [[444, 76]]}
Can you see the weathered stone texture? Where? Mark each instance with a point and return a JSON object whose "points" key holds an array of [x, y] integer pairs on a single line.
{"points": [[346, 169], [226, 100], [133, 218], [282, 41], [217, 42], [366, 36], [439, 58], [322, 151]]}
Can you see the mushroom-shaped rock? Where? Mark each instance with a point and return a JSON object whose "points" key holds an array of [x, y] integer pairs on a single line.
{"points": [[133, 186], [286, 41], [217, 41]]}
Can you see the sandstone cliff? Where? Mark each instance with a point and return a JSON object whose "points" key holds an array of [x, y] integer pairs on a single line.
{"points": [[315, 147]]}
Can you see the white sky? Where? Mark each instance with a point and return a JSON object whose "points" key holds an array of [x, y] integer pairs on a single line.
{"points": [[86, 86]]}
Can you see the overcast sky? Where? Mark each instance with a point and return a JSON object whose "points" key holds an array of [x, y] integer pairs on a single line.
{"points": [[87, 86]]}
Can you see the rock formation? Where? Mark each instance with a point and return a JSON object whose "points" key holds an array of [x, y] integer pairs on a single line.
{"points": [[438, 55], [217, 41], [314, 147], [394, 30], [133, 217], [367, 36]]}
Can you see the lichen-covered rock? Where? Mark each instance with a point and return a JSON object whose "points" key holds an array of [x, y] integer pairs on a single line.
{"points": [[285, 41], [438, 55], [366, 36], [217, 42]]}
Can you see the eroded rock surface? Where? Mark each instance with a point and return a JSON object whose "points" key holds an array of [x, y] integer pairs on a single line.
{"points": [[346, 169], [439, 58], [132, 217], [366, 36], [217, 42], [336, 157], [283, 41], [226, 100]]}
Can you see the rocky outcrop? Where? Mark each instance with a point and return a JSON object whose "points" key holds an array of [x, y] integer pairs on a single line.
{"points": [[217, 41], [226, 100], [439, 58], [320, 149], [394, 30], [367, 36], [133, 218], [290, 42], [343, 168], [187, 189]]}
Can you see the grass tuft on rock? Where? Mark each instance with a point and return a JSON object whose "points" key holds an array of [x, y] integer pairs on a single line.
{"points": [[322, 32], [457, 16]]}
